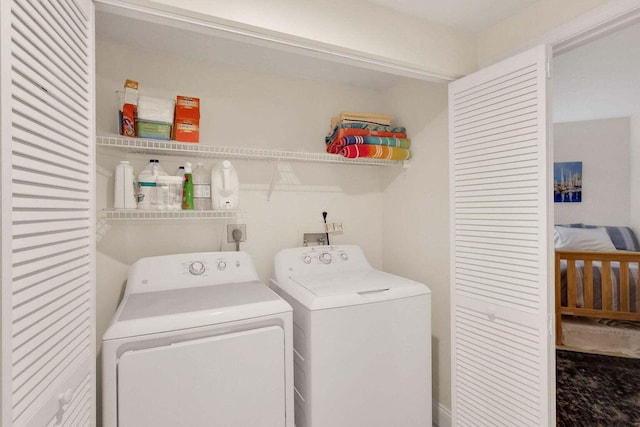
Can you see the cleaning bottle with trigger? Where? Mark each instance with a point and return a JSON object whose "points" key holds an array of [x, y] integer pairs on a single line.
{"points": [[187, 192]]}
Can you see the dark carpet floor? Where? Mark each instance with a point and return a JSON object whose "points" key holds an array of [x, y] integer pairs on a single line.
{"points": [[597, 391]]}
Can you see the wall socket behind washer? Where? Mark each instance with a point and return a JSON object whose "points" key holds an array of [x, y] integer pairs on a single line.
{"points": [[232, 227]]}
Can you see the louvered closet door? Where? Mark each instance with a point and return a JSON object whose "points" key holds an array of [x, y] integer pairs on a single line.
{"points": [[502, 356], [47, 213]]}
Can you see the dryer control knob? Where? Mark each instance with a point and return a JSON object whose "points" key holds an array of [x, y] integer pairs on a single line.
{"points": [[222, 265], [344, 256], [307, 259], [325, 258], [196, 268]]}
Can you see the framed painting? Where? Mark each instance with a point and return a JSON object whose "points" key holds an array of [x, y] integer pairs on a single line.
{"points": [[567, 182]]}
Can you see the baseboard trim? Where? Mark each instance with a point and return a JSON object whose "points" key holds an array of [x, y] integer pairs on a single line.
{"points": [[441, 415]]}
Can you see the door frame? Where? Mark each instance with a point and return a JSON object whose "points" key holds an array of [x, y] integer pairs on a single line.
{"points": [[597, 23]]}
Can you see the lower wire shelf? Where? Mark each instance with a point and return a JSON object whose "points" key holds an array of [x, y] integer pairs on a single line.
{"points": [[139, 214]]}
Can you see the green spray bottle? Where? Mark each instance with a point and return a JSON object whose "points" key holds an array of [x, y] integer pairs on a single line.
{"points": [[187, 188]]}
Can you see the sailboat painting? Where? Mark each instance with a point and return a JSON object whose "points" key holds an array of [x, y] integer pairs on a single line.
{"points": [[567, 182]]}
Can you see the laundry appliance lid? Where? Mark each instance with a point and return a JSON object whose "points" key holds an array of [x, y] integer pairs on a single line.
{"points": [[323, 291], [163, 311]]}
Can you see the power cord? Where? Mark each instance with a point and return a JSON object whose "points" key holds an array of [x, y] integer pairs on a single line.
{"points": [[237, 237]]}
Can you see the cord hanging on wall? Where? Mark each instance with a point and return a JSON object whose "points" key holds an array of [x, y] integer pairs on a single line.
{"points": [[324, 216]]}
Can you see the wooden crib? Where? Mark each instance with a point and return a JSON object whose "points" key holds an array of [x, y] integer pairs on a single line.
{"points": [[596, 284]]}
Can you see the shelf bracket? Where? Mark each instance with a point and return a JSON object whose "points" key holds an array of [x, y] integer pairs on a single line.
{"points": [[274, 179]]}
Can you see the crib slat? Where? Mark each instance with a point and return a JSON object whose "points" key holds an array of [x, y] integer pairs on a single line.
{"points": [[606, 285], [587, 286], [571, 283], [624, 286]]}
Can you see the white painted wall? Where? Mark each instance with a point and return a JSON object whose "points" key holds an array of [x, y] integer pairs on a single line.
{"points": [[604, 148], [634, 125], [416, 216], [354, 24], [240, 108], [243, 108]]}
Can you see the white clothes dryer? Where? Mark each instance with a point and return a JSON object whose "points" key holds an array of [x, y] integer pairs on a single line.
{"points": [[198, 341], [362, 340]]}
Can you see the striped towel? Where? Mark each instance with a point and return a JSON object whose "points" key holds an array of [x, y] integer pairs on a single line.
{"points": [[333, 132], [340, 143], [375, 152], [344, 132]]}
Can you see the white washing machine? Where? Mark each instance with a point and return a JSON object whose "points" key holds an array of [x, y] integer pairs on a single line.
{"points": [[362, 340], [198, 341]]}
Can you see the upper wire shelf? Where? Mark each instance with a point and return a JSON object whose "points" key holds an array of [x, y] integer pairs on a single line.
{"points": [[154, 146]]}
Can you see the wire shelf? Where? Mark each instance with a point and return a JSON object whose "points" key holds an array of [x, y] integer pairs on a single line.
{"points": [[154, 146], [134, 214]]}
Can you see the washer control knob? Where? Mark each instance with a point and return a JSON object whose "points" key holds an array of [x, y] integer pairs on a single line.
{"points": [[344, 256], [222, 265], [325, 258], [307, 259], [196, 268]]}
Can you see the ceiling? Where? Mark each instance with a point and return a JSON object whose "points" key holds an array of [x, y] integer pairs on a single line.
{"points": [[471, 16], [145, 33]]}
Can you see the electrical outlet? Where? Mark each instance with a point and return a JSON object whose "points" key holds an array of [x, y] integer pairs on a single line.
{"points": [[230, 230], [333, 227]]}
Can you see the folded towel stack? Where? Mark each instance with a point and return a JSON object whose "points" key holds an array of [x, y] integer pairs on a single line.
{"points": [[367, 135]]}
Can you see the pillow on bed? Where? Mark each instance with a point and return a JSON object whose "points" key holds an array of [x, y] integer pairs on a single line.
{"points": [[623, 238], [582, 239], [574, 225]]}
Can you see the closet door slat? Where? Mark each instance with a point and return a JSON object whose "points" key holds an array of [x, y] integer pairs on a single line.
{"points": [[48, 163]]}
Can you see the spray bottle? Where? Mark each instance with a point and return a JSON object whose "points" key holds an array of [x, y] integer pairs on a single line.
{"points": [[187, 192]]}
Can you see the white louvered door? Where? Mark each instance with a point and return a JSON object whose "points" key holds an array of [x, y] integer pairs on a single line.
{"points": [[503, 360], [48, 255]]}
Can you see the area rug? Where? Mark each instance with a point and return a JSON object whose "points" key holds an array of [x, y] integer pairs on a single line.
{"points": [[593, 390]]}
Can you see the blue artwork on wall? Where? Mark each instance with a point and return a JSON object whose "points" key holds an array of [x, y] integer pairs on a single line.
{"points": [[567, 182]]}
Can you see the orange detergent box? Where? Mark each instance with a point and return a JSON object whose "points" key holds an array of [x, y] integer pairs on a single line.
{"points": [[186, 122], [187, 107], [186, 130]]}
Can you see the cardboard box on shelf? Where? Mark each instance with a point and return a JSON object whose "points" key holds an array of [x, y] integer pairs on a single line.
{"points": [[187, 107], [154, 130], [127, 120], [186, 130]]}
